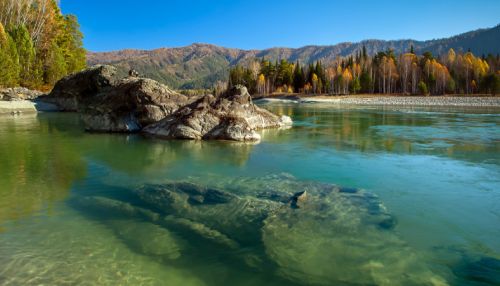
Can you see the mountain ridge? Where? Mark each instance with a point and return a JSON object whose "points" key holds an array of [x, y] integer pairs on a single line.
{"points": [[200, 65]]}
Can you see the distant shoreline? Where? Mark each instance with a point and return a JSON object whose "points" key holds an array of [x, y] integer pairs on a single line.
{"points": [[389, 100]]}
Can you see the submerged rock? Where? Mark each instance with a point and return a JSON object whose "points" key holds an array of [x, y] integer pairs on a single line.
{"points": [[307, 232], [478, 270], [135, 226], [298, 199], [111, 209], [232, 116], [339, 237], [130, 105], [147, 238], [75, 88], [202, 230], [237, 217]]}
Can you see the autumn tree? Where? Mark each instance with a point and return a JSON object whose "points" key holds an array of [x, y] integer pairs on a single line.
{"points": [[49, 45], [415, 75], [383, 73], [346, 80], [405, 67], [331, 74], [261, 84], [314, 82]]}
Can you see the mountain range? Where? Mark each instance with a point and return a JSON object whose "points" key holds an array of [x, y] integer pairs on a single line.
{"points": [[201, 65]]}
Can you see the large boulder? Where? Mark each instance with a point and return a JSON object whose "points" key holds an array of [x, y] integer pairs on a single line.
{"points": [[232, 116], [70, 91], [130, 105]]}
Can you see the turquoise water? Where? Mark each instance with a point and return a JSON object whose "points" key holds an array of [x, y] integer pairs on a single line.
{"points": [[395, 196]]}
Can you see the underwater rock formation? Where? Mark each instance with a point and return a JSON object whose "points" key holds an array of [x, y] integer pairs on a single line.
{"points": [[237, 217], [307, 232], [147, 238]]}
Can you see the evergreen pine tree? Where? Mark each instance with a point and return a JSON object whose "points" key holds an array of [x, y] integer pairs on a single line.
{"points": [[28, 74], [70, 41], [365, 81], [9, 60], [58, 67]]}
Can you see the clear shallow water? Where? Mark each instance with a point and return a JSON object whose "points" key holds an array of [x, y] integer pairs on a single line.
{"points": [[428, 211]]}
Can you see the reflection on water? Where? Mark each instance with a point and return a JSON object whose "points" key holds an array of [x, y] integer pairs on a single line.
{"points": [[418, 207], [438, 130], [37, 167]]}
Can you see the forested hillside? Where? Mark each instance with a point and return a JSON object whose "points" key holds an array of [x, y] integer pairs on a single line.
{"points": [[38, 44], [385, 73], [202, 65]]}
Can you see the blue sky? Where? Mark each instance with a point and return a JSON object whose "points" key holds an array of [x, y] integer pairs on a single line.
{"points": [[257, 24]]}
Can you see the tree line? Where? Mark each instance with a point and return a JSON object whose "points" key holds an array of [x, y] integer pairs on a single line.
{"points": [[38, 45], [383, 73]]}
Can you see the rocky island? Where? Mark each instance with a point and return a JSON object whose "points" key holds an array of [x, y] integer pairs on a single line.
{"points": [[110, 104], [231, 116]]}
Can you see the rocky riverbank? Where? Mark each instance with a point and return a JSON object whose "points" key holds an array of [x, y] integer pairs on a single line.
{"points": [[17, 100], [18, 93], [445, 101]]}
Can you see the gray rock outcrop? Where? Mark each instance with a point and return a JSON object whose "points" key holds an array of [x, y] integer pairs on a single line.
{"points": [[130, 105], [76, 88], [232, 116]]}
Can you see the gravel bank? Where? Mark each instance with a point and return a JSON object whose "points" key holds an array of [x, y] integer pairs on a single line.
{"points": [[396, 100], [17, 107]]}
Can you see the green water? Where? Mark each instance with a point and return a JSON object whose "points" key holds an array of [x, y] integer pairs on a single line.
{"points": [[395, 197]]}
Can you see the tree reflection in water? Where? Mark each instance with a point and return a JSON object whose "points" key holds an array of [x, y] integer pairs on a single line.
{"points": [[38, 167]]}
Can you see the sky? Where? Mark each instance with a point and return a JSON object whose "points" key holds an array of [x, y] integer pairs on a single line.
{"points": [[258, 24]]}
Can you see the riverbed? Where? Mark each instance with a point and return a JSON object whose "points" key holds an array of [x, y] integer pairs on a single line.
{"points": [[395, 196]]}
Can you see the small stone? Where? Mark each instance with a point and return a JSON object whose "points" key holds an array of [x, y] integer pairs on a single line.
{"points": [[298, 199]]}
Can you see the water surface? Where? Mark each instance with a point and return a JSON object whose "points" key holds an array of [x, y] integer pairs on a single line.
{"points": [[434, 172]]}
